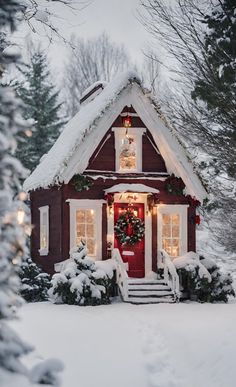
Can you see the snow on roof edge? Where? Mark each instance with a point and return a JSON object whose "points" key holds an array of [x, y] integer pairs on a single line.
{"points": [[49, 172], [131, 188]]}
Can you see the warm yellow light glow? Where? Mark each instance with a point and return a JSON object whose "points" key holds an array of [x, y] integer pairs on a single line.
{"points": [[15, 261], [91, 212], [111, 211], [22, 196], [28, 133], [20, 216]]}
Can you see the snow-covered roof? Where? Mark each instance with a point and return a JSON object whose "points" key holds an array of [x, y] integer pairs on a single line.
{"points": [[131, 188], [71, 152], [51, 170], [93, 86]]}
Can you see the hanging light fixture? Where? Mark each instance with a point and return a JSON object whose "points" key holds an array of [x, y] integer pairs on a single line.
{"points": [[126, 120], [127, 123]]}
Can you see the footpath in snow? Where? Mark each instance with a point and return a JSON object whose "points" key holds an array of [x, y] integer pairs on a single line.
{"points": [[123, 345]]}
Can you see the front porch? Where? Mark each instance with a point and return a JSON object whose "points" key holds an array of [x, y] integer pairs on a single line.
{"points": [[148, 290]]}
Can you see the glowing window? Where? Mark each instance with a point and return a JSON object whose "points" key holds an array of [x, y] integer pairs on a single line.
{"points": [[44, 230], [128, 154], [171, 234], [85, 229]]}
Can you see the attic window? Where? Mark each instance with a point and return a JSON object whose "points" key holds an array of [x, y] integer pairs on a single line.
{"points": [[128, 145], [128, 154]]}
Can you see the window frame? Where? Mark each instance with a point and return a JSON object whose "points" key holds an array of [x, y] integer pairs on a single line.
{"points": [[87, 204], [170, 209], [44, 210], [137, 133]]}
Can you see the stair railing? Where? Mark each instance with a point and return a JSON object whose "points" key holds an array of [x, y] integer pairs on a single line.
{"points": [[170, 274], [121, 274]]}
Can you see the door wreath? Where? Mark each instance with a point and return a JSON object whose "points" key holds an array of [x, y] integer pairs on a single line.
{"points": [[129, 229]]}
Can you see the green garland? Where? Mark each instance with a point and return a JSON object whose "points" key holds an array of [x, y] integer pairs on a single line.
{"points": [[81, 182], [129, 229]]}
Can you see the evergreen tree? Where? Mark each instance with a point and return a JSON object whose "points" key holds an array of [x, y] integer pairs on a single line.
{"points": [[12, 238], [11, 234], [81, 282], [34, 282], [41, 106], [217, 88]]}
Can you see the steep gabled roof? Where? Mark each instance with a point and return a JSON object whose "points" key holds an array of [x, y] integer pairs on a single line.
{"points": [[71, 152]]}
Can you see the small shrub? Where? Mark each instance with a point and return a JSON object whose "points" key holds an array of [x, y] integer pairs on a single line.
{"points": [[202, 286], [81, 283], [34, 282]]}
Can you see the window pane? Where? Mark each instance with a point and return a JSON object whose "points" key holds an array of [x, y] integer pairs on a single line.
{"points": [[166, 231], [175, 231], [80, 216], [80, 230], [128, 153], [171, 234], [90, 230], [90, 246], [166, 219], [89, 216], [85, 229], [175, 218]]}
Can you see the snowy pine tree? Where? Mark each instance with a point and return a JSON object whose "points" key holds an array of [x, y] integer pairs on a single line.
{"points": [[34, 282], [81, 282], [11, 234], [12, 239], [217, 86], [41, 106]]}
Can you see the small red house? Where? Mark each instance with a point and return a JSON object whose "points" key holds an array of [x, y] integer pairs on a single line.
{"points": [[117, 177]]}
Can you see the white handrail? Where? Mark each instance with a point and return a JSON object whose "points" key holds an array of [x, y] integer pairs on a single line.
{"points": [[121, 274], [170, 274]]}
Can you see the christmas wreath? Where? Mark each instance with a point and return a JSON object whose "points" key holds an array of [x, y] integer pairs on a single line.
{"points": [[129, 229]]}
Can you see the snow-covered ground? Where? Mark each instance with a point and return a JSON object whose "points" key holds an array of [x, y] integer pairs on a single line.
{"points": [[123, 345]]}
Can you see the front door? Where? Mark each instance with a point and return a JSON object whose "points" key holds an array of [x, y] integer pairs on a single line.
{"points": [[133, 254]]}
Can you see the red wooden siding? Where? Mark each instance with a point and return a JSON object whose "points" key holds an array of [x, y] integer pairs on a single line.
{"points": [[52, 198], [103, 158], [152, 161]]}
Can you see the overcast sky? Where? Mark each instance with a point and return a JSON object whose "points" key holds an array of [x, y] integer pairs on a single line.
{"points": [[117, 17]]}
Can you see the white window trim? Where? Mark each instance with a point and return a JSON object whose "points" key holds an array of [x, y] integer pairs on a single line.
{"points": [[137, 133], [182, 210], [87, 204], [44, 210]]}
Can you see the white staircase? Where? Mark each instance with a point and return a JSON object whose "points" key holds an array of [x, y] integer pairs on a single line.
{"points": [[143, 290]]}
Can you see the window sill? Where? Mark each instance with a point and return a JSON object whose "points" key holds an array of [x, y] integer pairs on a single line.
{"points": [[43, 252]]}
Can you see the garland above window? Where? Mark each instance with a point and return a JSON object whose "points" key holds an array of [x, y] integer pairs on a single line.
{"points": [[129, 229], [81, 182]]}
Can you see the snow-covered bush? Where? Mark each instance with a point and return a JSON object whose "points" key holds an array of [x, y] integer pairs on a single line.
{"points": [[202, 280], [34, 282], [46, 372], [80, 282]]}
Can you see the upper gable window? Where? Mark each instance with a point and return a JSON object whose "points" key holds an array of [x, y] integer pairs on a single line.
{"points": [[128, 145], [128, 153]]}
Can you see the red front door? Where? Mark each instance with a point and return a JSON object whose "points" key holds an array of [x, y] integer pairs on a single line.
{"points": [[133, 254]]}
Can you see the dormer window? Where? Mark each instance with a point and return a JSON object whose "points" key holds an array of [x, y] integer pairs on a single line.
{"points": [[128, 145]]}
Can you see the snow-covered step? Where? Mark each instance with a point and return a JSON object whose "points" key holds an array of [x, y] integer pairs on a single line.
{"points": [[151, 300], [149, 293], [134, 281], [151, 287]]}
